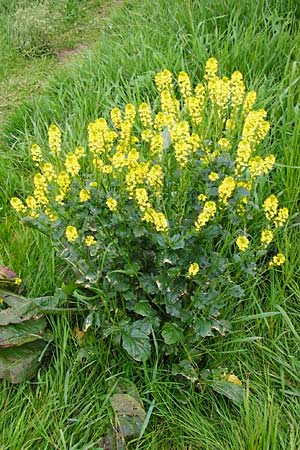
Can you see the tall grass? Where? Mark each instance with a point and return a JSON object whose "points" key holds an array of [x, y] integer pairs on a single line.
{"points": [[66, 408]]}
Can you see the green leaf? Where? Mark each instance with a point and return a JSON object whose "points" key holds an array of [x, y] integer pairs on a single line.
{"points": [[19, 364], [234, 392], [144, 309], [136, 343], [172, 334], [21, 333], [185, 369]]}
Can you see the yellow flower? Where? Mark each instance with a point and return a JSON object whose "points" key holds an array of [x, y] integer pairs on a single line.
{"points": [[18, 281], [184, 83], [237, 88], [277, 260], [270, 206], [72, 164], [163, 80], [90, 240], [281, 218], [193, 269], [111, 203], [156, 144], [84, 195], [226, 189], [202, 197], [17, 204], [48, 171], [266, 237], [211, 68], [93, 184], [249, 101], [145, 115], [141, 197], [54, 139], [208, 213], [158, 219], [36, 153], [71, 233], [243, 243], [213, 176], [116, 117], [129, 113]]}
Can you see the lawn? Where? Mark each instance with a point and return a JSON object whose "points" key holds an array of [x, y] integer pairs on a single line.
{"points": [[66, 406]]}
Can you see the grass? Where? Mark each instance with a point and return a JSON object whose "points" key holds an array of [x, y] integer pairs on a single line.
{"points": [[37, 37], [66, 407]]}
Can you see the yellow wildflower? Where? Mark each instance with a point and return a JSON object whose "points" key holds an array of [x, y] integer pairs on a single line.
{"points": [[202, 197], [281, 218], [208, 213], [18, 281], [213, 176], [31, 202], [270, 206], [184, 83], [211, 68], [51, 215], [79, 151], [237, 89], [158, 219], [147, 135], [163, 80], [84, 195], [145, 115], [48, 171], [156, 144], [259, 166], [111, 203], [277, 260], [266, 237], [17, 204], [93, 184], [249, 101], [193, 269], [224, 144], [89, 241], [142, 199], [71, 233], [36, 153], [54, 139], [226, 189], [243, 243], [116, 117], [129, 113], [72, 164]]}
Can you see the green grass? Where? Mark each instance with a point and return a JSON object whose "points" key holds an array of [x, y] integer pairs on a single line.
{"points": [[37, 37], [66, 407]]}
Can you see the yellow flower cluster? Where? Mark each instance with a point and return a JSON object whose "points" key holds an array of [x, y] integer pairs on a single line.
{"points": [[36, 153], [84, 195], [208, 213], [242, 243], [90, 240], [157, 219], [54, 139], [112, 204], [17, 205], [71, 233], [266, 237], [281, 218], [270, 206], [150, 157], [226, 189], [277, 260], [193, 269]]}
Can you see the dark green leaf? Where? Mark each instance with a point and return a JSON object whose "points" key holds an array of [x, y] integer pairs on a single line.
{"points": [[234, 392], [136, 343], [18, 364], [171, 333], [21, 333]]}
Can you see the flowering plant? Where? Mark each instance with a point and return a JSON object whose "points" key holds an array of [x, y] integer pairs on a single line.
{"points": [[159, 213]]}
